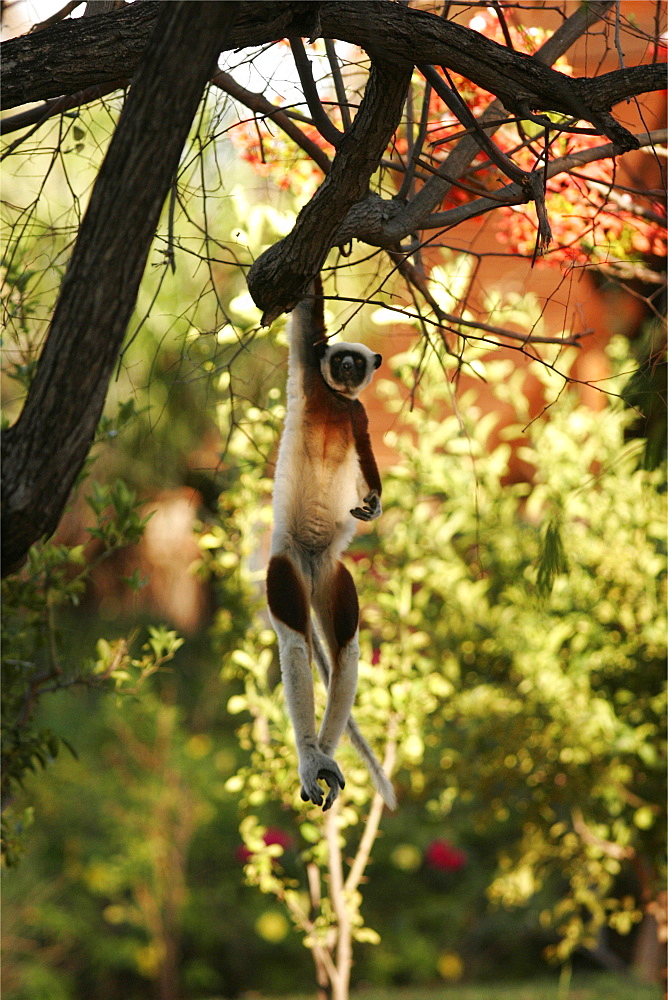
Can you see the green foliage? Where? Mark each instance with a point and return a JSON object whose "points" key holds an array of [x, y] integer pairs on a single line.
{"points": [[515, 638], [556, 719], [527, 732], [35, 655]]}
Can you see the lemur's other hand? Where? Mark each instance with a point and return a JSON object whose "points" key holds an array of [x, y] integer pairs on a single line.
{"points": [[318, 766], [372, 507]]}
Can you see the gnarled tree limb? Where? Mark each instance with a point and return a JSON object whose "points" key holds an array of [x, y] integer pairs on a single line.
{"points": [[44, 451], [37, 67], [278, 278]]}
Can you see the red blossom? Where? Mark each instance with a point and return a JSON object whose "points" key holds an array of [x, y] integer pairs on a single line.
{"points": [[273, 835], [443, 856], [589, 222]]}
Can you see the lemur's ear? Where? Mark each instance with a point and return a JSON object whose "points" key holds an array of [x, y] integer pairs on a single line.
{"points": [[378, 361]]}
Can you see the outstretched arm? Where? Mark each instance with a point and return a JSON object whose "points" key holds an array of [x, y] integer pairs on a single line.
{"points": [[307, 329], [372, 506]]}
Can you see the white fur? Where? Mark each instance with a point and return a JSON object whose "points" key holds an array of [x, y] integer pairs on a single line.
{"points": [[313, 499], [342, 348], [314, 493]]}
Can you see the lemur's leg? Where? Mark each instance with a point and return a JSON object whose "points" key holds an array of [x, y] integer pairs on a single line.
{"points": [[289, 607], [335, 603]]}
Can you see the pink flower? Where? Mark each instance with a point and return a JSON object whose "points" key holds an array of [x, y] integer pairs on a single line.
{"points": [[440, 854], [272, 836], [276, 836]]}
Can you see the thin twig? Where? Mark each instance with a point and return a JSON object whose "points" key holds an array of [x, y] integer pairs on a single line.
{"points": [[339, 86], [324, 125], [498, 9], [260, 105], [624, 201], [618, 41]]}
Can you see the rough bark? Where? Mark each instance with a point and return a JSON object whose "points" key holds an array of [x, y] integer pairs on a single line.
{"points": [[73, 55], [38, 67], [44, 451]]}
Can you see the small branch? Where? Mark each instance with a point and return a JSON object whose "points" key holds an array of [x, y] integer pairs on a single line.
{"points": [[324, 125], [462, 112], [37, 116], [531, 183], [260, 105], [338, 83], [407, 182], [313, 875], [60, 15], [337, 895], [373, 820], [588, 836]]}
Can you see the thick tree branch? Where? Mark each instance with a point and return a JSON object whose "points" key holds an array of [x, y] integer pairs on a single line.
{"points": [[512, 194], [278, 278], [40, 66], [44, 451]]}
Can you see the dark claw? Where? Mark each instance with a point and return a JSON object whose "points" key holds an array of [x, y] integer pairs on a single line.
{"points": [[371, 508], [315, 797], [362, 513], [335, 786]]}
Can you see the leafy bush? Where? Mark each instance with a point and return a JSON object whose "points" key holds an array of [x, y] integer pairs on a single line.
{"points": [[513, 640]]}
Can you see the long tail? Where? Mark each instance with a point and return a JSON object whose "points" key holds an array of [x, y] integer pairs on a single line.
{"points": [[380, 780]]}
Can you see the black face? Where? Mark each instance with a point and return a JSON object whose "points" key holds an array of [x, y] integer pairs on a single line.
{"points": [[349, 368]]}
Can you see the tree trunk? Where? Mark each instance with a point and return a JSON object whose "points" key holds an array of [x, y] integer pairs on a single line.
{"points": [[44, 451]]}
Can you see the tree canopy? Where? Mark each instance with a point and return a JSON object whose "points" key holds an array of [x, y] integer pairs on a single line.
{"points": [[166, 55]]}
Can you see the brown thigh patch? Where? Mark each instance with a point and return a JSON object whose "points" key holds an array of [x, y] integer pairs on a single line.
{"points": [[346, 609], [286, 595]]}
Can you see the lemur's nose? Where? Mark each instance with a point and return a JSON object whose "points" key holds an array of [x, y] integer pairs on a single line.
{"points": [[347, 365]]}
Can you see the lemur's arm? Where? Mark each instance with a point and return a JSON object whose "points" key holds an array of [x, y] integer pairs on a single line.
{"points": [[308, 339], [372, 506]]}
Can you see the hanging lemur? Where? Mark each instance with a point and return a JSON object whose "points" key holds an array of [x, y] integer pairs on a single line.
{"points": [[326, 476]]}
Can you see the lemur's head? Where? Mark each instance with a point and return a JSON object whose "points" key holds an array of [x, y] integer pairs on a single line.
{"points": [[348, 368]]}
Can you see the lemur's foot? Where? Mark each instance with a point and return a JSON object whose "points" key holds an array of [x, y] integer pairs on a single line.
{"points": [[372, 507], [314, 766]]}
